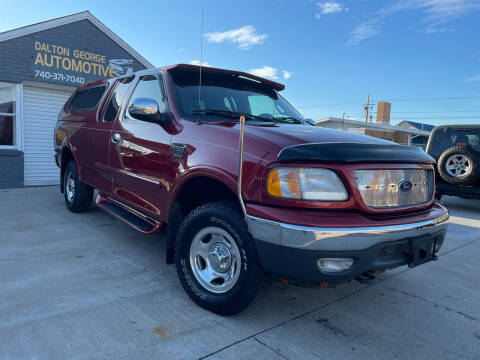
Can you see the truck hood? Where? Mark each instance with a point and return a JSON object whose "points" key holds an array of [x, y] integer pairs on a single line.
{"points": [[297, 143], [285, 135]]}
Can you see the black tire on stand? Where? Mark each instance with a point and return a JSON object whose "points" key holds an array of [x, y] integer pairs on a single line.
{"points": [[78, 196], [458, 166], [216, 259]]}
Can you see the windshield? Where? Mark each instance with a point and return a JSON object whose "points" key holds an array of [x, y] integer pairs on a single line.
{"points": [[227, 95]]}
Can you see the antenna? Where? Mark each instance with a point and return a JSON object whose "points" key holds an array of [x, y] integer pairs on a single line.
{"points": [[201, 60], [240, 165]]}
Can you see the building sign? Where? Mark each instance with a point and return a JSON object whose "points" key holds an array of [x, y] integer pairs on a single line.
{"points": [[54, 62]]}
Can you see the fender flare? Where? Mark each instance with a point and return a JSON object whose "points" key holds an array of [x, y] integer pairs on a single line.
{"points": [[211, 172]]}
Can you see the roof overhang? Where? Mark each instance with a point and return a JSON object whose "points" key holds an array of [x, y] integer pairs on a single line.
{"points": [[85, 15]]}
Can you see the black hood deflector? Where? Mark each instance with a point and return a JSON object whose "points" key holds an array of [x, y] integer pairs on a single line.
{"points": [[356, 153]]}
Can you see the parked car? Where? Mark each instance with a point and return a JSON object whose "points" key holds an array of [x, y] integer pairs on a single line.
{"points": [[456, 148], [241, 184]]}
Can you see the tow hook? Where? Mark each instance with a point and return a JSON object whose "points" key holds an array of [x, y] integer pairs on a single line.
{"points": [[366, 278]]}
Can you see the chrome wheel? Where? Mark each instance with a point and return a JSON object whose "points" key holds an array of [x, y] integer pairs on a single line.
{"points": [[215, 259], [70, 187], [458, 165]]}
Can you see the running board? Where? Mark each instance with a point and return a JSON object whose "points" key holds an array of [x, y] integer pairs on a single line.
{"points": [[129, 216]]}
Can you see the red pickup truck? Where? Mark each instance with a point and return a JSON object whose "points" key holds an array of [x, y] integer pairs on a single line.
{"points": [[242, 184]]}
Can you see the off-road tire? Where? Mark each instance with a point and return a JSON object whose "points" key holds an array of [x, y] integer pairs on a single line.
{"points": [[226, 216], [83, 193], [468, 179]]}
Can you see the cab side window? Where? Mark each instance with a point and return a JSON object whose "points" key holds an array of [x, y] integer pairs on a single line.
{"points": [[87, 98], [151, 87]]}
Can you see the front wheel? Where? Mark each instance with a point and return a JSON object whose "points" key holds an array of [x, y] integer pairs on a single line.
{"points": [[216, 259]]}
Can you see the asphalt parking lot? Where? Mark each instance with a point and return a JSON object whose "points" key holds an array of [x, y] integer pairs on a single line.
{"points": [[84, 286]]}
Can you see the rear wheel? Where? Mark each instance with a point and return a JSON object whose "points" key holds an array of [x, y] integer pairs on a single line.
{"points": [[78, 196], [216, 259], [457, 165]]}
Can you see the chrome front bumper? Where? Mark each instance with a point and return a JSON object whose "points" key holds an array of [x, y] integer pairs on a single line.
{"points": [[340, 239]]}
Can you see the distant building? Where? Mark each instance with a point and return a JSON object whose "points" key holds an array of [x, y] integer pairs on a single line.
{"points": [[418, 140], [383, 130], [406, 132]]}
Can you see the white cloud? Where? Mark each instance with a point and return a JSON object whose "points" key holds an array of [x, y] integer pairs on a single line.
{"points": [[245, 37], [473, 78], [265, 72], [286, 74], [197, 62], [329, 7], [436, 13], [364, 31]]}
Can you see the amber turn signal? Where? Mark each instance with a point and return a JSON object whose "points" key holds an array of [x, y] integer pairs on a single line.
{"points": [[284, 183]]}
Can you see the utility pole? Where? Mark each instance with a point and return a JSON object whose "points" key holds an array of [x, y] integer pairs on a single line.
{"points": [[343, 120], [366, 108]]}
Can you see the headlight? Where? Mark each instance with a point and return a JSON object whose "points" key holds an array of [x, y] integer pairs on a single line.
{"points": [[306, 184]]}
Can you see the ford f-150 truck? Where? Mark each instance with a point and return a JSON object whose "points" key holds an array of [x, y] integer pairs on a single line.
{"points": [[242, 185]]}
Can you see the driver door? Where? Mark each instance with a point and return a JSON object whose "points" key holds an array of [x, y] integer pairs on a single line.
{"points": [[140, 156]]}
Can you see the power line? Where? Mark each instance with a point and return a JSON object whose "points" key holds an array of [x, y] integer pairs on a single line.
{"points": [[439, 117], [420, 117], [315, 106], [411, 99], [434, 99], [436, 112]]}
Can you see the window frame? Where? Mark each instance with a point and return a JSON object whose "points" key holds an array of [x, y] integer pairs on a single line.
{"points": [[128, 96], [17, 119], [113, 87]]}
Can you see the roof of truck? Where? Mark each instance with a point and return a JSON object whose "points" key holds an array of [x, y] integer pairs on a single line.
{"points": [[458, 126], [275, 85]]}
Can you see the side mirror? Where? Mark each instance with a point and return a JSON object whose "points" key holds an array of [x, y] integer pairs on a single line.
{"points": [[311, 122], [146, 109]]}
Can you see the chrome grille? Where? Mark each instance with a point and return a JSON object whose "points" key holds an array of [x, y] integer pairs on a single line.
{"points": [[394, 188]]}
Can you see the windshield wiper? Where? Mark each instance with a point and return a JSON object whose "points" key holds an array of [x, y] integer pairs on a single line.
{"points": [[288, 119], [230, 114]]}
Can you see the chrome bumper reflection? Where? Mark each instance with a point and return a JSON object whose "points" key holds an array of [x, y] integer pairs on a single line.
{"points": [[340, 239]]}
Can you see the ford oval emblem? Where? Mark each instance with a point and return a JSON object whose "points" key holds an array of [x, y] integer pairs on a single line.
{"points": [[404, 186]]}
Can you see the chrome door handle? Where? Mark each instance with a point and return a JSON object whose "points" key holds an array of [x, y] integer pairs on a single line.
{"points": [[116, 138]]}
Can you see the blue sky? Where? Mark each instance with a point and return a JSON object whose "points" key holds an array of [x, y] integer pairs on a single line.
{"points": [[330, 54]]}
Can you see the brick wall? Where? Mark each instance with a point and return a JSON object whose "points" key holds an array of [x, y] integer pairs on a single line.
{"points": [[397, 136]]}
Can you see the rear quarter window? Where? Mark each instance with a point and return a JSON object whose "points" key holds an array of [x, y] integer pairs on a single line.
{"points": [[447, 137], [87, 98]]}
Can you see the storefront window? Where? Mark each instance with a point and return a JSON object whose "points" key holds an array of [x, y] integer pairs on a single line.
{"points": [[7, 114]]}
